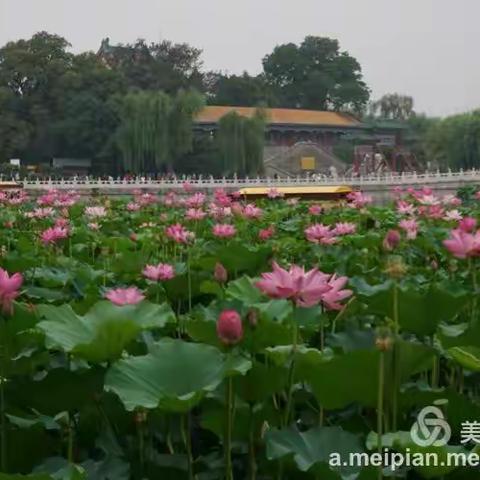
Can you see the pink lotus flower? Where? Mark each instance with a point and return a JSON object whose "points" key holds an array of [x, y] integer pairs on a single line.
{"points": [[467, 224], [156, 273], [62, 223], [305, 289], [292, 201], [332, 298], [432, 211], [274, 193], [146, 199], [462, 244], [453, 215], [125, 296], [53, 235], [133, 207], [221, 197], [266, 233], [95, 212], [344, 228], [219, 212], [179, 234], [251, 211], [451, 200], [405, 208], [224, 230], [315, 210], [391, 240], [93, 226], [41, 213], [319, 233], [229, 327], [9, 290], [220, 273], [195, 214], [358, 199], [170, 199], [410, 227], [477, 195], [196, 200]]}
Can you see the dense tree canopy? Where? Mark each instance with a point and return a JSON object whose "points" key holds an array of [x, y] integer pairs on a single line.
{"points": [[393, 107], [315, 75], [136, 101], [241, 141]]}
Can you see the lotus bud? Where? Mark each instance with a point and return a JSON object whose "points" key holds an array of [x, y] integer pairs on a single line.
{"points": [[434, 265], [220, 273], [133, 237], [229, 327], [391, 240]]}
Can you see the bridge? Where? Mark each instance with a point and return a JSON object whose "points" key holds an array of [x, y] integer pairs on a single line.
{"points": [[379, 186]]}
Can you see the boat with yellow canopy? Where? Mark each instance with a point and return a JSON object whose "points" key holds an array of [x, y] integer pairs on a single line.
{"points": [[335, 192]]}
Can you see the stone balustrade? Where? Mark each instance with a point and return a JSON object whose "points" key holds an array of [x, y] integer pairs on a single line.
{"points": [[381, 180]]}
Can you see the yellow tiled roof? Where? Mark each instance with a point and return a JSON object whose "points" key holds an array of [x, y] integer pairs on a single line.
{"points": [[281, 116]]}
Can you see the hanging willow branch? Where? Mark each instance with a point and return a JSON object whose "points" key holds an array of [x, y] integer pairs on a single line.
{"points": [[241, 142], [155, 130]]}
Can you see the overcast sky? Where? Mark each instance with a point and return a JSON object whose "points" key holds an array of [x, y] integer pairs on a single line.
{"points": [[425, 48]]}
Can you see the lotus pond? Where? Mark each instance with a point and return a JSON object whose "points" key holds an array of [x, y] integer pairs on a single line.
{"points": [[186, 336]]}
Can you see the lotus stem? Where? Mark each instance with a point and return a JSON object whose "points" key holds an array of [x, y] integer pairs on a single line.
{"points": [[251, 448], [70, 441], [227, 443], [291, 375], [141, 446], [396, 363], [3, 426], [3, 420], [187, 438], [473, 272], [189, 279], [381, 383]]}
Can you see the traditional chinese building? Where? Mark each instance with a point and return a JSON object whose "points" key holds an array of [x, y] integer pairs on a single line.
{"points": [[301, 141]]}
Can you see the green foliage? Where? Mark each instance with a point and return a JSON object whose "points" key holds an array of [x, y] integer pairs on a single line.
{"points": [[315, 75], [455, 141], [241, 142], [155, 130], [94, 391]]}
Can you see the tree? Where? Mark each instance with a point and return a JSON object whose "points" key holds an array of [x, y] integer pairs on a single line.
{"points": [[85, 119], [454, 142], [14, 132], [155, 129], [241, 90], [158, 66], [31, 70], [241, 142], [393, 107], [315, 75]]}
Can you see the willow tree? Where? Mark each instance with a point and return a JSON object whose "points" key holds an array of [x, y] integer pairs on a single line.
{"points": [[155, 130], [241, 143]]}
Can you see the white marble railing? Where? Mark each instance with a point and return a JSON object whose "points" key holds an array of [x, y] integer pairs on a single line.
{"points": [[389, 179]]}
